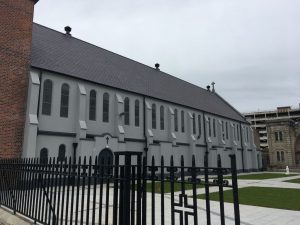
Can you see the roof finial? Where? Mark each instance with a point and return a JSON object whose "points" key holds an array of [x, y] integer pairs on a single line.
{"points": [[157, 66], [213, 86], [68, 30]]}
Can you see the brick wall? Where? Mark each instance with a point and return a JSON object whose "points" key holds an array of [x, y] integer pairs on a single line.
{"points": [[15, 46]]}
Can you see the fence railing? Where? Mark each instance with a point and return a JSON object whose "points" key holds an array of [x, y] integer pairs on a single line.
{"points": [[126, 191]]}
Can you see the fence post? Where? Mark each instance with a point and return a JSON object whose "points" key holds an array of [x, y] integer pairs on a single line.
{"points": [[116, 186], [235, 189], [194, 183], [207, 201], [221, 194], [126, 201], [144, 193]]}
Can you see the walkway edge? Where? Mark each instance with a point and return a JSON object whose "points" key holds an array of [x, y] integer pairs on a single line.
{"points": [[8, 218]]}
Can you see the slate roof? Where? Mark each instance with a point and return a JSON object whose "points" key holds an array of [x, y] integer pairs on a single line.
{"points": [[57, 52]]}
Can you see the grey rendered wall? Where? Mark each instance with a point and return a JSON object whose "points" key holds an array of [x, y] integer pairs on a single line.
{"points": [[165, 142]]}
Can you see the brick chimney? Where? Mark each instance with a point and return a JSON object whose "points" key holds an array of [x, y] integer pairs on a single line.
{"points": [[16, 18]]}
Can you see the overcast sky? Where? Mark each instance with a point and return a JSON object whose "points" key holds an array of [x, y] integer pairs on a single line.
{"points": [[249, 48]]}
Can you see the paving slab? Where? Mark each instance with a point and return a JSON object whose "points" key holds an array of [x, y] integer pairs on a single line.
{"points": [[8, 218]]}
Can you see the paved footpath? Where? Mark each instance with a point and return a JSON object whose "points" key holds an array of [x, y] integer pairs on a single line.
{"points": [[7, 218]]}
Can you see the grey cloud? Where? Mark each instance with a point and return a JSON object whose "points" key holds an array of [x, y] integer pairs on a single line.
{"points": [[249, 48]]}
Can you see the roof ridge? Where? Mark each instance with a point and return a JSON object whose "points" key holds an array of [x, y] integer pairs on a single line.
{"points": [[149, 67]]}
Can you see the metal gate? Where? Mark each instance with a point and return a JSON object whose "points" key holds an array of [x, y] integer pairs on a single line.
{"points": [[127, 192]]}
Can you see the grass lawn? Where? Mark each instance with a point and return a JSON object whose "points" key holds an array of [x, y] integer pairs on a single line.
{"points": [[167, 187], [262, 176], [280, 198], [297, 181]]}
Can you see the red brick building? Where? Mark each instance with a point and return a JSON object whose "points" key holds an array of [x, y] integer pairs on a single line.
{"points": [[15, 49]]}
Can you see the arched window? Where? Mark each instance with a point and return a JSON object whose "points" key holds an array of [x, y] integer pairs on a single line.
{"points": [[93, 102], [153, 116], [214, 127], [199, 125], [223, 131], [105, 115], [182, 121], [162, 118], [61, 153], [44, 156], [137, 113], [47, 97], [282, 156], [226, 125], [64, 100], [209, 127], [194, 123], [126, 111], [175, 120], [234, 132], [278, 156]]}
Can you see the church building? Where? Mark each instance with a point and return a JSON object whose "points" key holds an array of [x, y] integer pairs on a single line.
{"points": [[61, 96]]}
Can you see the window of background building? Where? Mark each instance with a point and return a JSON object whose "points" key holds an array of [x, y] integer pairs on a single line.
{"points": [[162, 118], [276, 136], [126, 111], [137, 113], [182, 121], [93, 100], [153, 116], [175, 120], [47, 97], [238, 132], [105, 113], [64, 101], [282, 156], [278, 156], [280, 136]]}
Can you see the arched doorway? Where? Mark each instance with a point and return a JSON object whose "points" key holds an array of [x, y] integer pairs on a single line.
{"points": [[44, 156], [297, 151], [105, 161]]}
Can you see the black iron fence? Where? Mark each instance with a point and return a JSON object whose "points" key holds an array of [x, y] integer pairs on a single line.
{"points": [[126, 191]]}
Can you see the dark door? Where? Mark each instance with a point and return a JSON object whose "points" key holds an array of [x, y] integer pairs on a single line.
{"points": [[106, 162]]}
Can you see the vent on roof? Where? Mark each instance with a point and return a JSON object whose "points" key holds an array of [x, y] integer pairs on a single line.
{"points": [[157, 66], [68, 30], [208, 87]]}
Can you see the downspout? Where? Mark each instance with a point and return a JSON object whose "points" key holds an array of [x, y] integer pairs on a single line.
{"points": [[242, 146], [144, 123], [205, 137]]}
